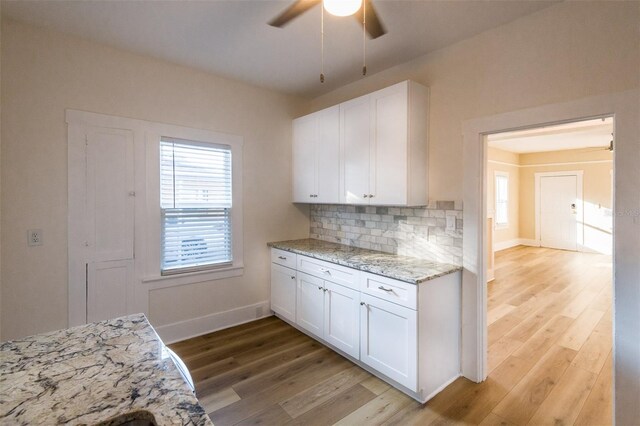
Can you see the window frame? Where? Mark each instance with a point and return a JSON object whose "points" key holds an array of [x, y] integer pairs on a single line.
{"points": [[505, 175], [228, 214], [153, 268]]}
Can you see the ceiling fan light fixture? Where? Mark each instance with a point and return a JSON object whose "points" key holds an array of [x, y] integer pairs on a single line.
{"points": [[342, 7]]}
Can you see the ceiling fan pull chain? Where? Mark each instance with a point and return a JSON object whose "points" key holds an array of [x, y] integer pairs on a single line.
{"points": [[322, 45], [364, 37]]}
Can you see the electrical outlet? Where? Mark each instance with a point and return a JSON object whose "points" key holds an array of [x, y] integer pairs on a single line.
{"points": [[34, 237]]}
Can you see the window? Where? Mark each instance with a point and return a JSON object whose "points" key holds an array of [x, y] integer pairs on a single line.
{"points": [[196, 203], [502, 199]]}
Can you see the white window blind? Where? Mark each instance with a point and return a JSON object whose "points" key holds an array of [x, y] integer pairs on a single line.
{"points": [[196, 202], [502, 199]]}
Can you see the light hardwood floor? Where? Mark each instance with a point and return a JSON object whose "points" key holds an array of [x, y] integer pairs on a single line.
{"points": [[549, 359]]}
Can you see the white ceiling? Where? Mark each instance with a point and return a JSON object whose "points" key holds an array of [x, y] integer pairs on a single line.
{"points": [[576, 135], [232, 38]]}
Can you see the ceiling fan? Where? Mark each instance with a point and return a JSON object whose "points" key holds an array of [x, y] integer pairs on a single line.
{"points": [[356, 8]]}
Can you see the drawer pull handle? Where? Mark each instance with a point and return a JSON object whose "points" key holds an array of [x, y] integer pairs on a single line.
{"points": [[320, 288], [282, 258], [363, 304], [325, 271], [385, 289], [292, 277]]}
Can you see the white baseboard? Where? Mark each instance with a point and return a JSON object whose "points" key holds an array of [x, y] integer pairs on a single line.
{"points": [[503, 245], [182, 330], [529, 242]]}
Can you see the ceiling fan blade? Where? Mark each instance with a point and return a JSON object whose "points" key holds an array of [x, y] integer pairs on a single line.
{"points": [[373, 23], [293, 11]]}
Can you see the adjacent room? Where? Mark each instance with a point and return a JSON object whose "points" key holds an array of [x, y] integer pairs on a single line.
{"points": [[319, 212], [549, 228]]}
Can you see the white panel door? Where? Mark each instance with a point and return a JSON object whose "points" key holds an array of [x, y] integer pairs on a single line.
{"points": [[328, 156], [342, 318], [390, 141], [107, 292], [109, 222], [355, 135], [109, 197], [558, 212], [305, 140], [310, 304], [283, 291], [388, 339]]}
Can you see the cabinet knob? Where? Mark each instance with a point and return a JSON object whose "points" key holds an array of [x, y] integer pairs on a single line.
{"points": [[370, 195], [320, 288], [325, 290], [362, 303], [365, 196], [293, 278]]}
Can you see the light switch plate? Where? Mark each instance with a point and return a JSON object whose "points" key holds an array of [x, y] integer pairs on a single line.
{"points": [[34, 237]]}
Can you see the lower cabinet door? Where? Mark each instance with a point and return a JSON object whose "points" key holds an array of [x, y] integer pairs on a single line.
{"points": [[342, 318], [310, 304], [283, 291], [389, 340]]}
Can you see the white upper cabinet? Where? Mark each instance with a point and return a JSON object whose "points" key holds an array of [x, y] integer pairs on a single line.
{"points": [[355, 138], [384, 141], [316, 157], [381, 156]]}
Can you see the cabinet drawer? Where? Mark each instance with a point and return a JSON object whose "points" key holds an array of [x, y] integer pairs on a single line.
{"points": [[329, 271], [394, 291], [283, 258]]}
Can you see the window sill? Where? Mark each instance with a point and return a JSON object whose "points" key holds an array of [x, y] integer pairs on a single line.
{"points": [[164, 281]]}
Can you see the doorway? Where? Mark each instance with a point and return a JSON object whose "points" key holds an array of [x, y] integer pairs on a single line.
{"points": [[549, 302]]}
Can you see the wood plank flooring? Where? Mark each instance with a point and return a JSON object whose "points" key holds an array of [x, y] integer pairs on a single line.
{"points": [[549, 316]]}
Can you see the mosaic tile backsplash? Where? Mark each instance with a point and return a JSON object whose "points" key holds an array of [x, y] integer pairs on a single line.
{"points": [[433, 232]]}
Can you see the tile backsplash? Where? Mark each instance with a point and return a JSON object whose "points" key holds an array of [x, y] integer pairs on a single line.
{"points": [[433, 232]]}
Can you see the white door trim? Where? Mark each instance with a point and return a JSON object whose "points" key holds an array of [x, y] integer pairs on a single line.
{"points": [[579, 174], [625, 108]]}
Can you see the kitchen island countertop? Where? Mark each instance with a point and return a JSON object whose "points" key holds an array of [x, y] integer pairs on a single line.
{"points": [[94, 373]]}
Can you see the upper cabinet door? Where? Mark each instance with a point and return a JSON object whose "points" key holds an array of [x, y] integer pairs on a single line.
{"points": [[389, 166], [305, 138], [328, 156], [355, 128]]}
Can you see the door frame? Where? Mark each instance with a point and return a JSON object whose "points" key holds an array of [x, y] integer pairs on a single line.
{"points": [[625, 108], [579, 174]]}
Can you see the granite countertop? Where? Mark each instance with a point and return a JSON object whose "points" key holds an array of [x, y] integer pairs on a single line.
{"points": [[92, 373], [403, 268]]}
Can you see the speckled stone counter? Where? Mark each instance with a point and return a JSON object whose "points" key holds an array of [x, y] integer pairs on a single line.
{"points": [[93, 373], [403, 268]]}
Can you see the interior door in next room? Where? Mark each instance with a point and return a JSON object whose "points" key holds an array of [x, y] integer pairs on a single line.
{"points": [[559, 212], [109, 222]]}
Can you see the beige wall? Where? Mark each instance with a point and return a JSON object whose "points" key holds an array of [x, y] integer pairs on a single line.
{"points": [[43, 74], [596, 166], [504, 161], [597, 189], [565, 52]]}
